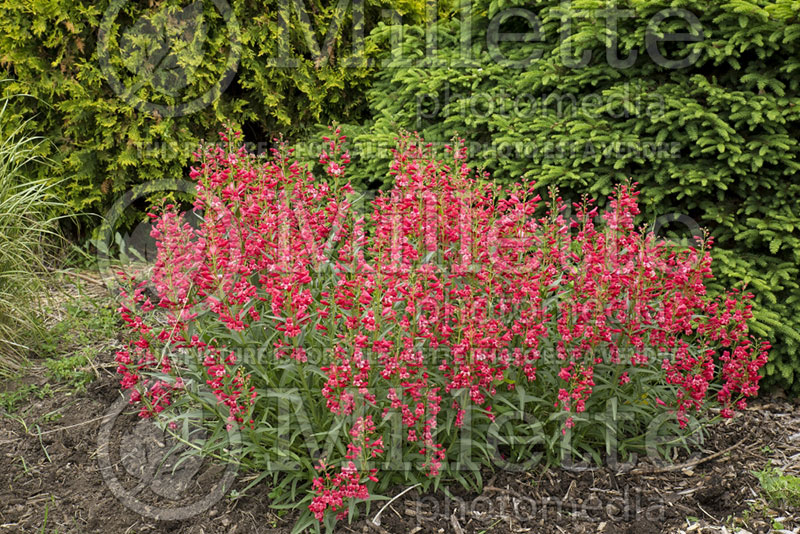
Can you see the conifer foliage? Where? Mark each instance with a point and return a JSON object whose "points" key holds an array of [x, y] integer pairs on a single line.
{"points": [[586, 96], [126, 90]]}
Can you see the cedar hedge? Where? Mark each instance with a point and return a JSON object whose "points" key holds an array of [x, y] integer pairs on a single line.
{"points": [[126, 90], [714, 139]]}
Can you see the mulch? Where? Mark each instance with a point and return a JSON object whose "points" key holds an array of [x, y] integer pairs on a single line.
{"points": [[54, 477], [714, 488], [50, 481]]}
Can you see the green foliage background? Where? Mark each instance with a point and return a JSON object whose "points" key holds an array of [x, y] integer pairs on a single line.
{"points": [[102, 143], [725, 129], [728, 124]]}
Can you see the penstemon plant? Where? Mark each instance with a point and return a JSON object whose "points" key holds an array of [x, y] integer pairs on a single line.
{"points": [[445, 324]]}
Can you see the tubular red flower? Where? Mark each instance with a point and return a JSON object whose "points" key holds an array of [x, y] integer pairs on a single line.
{"points": [[452, 291]]}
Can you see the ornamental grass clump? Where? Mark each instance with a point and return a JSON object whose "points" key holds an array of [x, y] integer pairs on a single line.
{"points": [[446, 324], [29, 238]]}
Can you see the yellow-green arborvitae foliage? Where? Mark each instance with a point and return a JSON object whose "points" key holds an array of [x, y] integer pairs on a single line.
{"points": [[126, 89]]}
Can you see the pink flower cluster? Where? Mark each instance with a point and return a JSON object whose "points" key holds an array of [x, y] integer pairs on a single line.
{"points": [[452, 288], [332, 491]]}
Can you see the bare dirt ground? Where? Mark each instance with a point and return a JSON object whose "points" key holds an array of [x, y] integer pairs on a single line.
{"points": [[51, 480], [76, 462]]}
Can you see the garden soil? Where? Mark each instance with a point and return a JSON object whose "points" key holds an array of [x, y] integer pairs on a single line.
{"points": [[52, 479]]}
